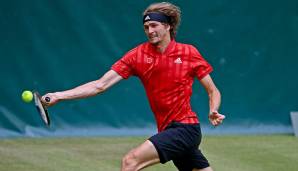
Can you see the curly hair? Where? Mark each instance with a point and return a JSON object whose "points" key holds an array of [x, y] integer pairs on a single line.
{"points": [[169, 10]]}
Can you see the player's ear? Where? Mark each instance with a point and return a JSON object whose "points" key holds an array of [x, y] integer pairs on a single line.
{"points": [[168, 27]]}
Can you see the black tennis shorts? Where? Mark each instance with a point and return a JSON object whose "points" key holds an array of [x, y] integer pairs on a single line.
{"points": [[180, 142]]}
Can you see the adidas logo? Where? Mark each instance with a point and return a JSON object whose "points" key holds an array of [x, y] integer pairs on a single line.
{"points": [[178, 61], [147, 18]]}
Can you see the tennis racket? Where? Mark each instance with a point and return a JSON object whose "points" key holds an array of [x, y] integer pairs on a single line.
{"points": [[41, 108]]}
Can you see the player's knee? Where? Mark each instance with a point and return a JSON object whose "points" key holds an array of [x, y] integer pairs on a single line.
{"points": [[129, 162]]}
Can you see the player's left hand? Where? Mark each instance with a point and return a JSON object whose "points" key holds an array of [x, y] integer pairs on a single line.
{"points": [[216, 118]]}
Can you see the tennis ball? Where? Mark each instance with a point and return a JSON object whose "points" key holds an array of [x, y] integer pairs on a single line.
{"points": [[27, 96]]}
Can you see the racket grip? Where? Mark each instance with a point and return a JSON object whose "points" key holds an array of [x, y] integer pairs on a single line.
{"points": [[48, 99]]}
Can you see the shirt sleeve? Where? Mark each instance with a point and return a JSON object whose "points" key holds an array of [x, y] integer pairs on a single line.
{"points": [[201, 67], [124, 66]]}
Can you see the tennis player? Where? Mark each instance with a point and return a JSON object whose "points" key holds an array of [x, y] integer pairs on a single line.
{"points": [[167, 70]]}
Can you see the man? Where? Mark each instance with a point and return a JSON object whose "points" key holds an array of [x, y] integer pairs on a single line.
{"points": [[167, 70]]}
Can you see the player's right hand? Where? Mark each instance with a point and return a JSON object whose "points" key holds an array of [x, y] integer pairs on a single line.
{"points": [[50, 99]]}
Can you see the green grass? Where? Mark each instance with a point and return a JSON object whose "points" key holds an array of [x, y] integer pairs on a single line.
{"points": [[225, 153]]}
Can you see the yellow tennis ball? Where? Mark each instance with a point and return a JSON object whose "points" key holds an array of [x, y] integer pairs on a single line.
{"points": [[27, 96]]}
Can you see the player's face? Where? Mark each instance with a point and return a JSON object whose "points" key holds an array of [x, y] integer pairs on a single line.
{"points": [[156, 31]]}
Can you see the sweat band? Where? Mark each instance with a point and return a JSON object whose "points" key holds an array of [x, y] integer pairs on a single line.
{"points": [[160, 17]]}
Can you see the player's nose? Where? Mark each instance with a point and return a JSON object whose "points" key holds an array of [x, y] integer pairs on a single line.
{"points": [[150, 30]]}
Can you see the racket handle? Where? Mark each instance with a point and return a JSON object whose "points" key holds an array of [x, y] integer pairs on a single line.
{"points": [[48, 99]]}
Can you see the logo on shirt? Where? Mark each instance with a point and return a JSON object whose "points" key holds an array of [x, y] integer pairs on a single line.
{"points": [[149, 60], [178, 61]]}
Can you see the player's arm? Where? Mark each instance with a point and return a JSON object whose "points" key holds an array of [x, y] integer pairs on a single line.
{"points": [[214, 100], [86, 90]]}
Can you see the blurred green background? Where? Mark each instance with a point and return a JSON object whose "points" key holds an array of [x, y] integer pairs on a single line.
{"points": [[59, 44]]}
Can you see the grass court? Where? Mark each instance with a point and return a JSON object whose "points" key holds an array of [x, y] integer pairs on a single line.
{"points": [[225, 153]]}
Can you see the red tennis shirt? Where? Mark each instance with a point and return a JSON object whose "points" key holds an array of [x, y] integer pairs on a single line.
{"points": [[167, 78]]}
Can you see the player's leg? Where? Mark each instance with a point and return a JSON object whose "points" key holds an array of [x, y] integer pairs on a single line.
{"points": [[205, 169], [140, 157], [160, 148], [193, 161]]}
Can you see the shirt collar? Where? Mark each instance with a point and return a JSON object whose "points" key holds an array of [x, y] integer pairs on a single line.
{"points": [[169, 48]]}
